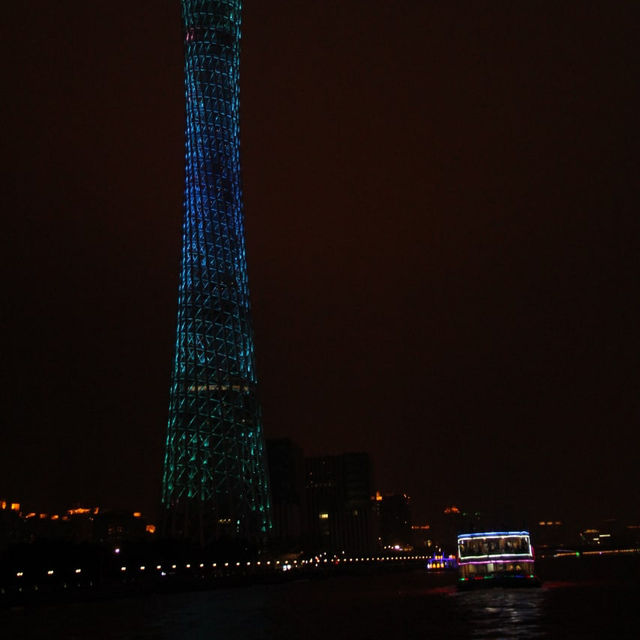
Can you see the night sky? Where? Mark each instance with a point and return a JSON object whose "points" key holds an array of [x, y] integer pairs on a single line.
{"points": [[442, 236]]}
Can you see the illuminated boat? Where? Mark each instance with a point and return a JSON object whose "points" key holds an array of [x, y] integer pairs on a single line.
{"points": [[497, 558], [440, 562]]}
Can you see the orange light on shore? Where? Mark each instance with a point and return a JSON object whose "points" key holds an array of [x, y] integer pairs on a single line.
{"points": [[15, 506], [137, 514], [78, 511], [150, 528]]}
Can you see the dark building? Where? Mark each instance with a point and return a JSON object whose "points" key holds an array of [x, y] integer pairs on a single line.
{"points": [[121, 526], [421, 537], [448, 523], [214, 481], [395, 521], [339, 504], [12, 525], [286, 477], [77, 525], [551, 534]]}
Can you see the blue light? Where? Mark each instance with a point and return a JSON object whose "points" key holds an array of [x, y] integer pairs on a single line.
{"points": [[493, 534], [212, 475]]}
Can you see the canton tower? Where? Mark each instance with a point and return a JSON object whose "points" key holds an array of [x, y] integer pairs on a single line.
{"points": [[214, 480]]}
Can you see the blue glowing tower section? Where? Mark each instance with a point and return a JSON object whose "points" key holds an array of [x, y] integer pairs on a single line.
{"points": [[214, 481]]}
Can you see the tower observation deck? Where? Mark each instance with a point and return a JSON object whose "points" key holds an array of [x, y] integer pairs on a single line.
{"points": [[214, 479]]}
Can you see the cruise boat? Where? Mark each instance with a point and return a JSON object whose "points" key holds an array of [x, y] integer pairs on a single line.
{"points": [[496, 558]]}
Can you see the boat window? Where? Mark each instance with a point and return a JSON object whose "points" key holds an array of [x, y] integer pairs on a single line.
{"points": [[510, 545]]}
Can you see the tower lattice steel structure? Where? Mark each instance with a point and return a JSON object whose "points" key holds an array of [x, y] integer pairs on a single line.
{"points": [[214, 481]]}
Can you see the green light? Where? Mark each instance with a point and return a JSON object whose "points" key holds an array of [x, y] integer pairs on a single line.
{"points": [[212, 478]]}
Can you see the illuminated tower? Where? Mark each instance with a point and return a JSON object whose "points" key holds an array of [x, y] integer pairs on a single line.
{"points": [[214, 481]]}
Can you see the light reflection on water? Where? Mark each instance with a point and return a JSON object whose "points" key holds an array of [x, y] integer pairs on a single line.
{"points": [[402, 606], [503, 613]]}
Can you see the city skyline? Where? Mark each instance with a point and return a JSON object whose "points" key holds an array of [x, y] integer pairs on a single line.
{"points": [[439, 207]]}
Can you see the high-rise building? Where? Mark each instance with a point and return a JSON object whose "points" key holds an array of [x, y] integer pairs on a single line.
{"points": [[338, 503], [395, 520], [287, 480], [214, 481]]}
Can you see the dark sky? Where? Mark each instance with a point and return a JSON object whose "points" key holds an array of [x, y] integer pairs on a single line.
{"points": [[442, 228]]}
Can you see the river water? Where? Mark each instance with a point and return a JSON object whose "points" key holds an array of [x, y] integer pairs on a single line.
{"points": [[404, 605]]}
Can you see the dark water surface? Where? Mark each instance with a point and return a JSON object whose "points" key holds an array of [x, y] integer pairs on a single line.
{"points": [[388, 606]]}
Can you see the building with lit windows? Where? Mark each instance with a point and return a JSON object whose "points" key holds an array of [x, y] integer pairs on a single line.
{"points": [[339, 504]]}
